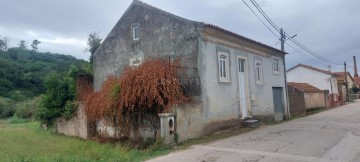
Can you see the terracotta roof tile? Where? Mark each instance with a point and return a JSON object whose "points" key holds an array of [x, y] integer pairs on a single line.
{"points": [[312, 68], [357, 81], [304, 87]]}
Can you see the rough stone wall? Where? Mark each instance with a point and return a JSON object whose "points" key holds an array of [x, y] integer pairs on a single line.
{"points": [[296, 101], [77, 126], [161, 35]]}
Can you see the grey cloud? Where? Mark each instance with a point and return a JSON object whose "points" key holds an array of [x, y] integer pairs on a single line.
{"points": [[330, 28]]}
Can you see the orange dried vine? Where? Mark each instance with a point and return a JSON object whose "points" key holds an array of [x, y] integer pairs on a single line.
{"points": [[153, 86]]}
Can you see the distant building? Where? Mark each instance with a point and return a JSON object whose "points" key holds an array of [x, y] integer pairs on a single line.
{"points": [[321, 79], [342, 82]]}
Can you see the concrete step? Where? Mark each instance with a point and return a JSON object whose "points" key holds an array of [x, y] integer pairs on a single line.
{"points": [[250, 123]]}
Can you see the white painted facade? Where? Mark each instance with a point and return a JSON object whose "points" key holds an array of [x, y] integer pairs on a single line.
{"points": [[315, 78]]}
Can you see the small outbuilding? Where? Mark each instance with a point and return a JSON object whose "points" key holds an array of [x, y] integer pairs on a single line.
{"points": [[303, 96]]}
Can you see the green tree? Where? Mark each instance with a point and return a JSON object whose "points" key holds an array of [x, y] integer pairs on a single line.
{"points": [[94, 42], [35, 44], [58, 92], [4, 43], [22, 45]]}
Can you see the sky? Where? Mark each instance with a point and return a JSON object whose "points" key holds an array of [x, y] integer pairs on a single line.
{"points": [[329, 28]]}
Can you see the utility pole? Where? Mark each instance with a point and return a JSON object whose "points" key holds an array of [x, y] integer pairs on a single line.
{"points": [[282, 39], [346, 83]]}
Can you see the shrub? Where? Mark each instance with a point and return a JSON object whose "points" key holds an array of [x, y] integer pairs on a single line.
{"points": [[58, 92], [7, 107], [26, 109], [151, 88], [17, 120]]}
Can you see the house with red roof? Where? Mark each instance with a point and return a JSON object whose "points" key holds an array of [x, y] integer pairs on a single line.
{"points": [[319, 78]]}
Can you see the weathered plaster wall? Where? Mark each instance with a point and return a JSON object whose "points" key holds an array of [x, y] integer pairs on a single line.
{"points": [[77, 126], [161, 35], [221, 100], [314, 78], [189, 120]]}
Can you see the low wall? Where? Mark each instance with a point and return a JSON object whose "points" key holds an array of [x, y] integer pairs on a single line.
{"points": [[77, 126], [189, 120], [314, 100], [353, 97]]}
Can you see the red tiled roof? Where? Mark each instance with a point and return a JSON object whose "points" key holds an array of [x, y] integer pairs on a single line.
{"points": [[340, 76], [357, 81], [304, 87], [312, 68], [214, 27], [242, 37]]}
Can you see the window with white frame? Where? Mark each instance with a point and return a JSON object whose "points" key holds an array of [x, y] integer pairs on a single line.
{"points": [[223, 61], [258, 72], [276, 66], [136, 32]]}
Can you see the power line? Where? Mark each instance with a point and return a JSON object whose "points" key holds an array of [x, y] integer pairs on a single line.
{"points": [[260, 19], [262, 12]]}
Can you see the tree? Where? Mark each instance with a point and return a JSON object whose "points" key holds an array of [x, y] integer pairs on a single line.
{"points": [[94, 42], [4, 43], [35, 44], [22, 45]]}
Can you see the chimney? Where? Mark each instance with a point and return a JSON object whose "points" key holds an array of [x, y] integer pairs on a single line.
{"points": [[355, 68], [329, 68]]}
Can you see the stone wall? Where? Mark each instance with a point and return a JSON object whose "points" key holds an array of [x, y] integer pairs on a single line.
{"points": [[77, 126]]}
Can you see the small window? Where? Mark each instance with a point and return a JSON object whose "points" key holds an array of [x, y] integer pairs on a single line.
{"points": [[276, 66], [258, 72], [224, 73], [241, 65], [136, 32]]}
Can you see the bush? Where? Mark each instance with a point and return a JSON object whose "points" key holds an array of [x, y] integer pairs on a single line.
{"points": [[355, 90], [26, 109], [141, 92], [17, 120], [59, 91], [7, 107]]}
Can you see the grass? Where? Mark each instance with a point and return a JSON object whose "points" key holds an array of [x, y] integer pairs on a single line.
{"points": [[27, 142]]}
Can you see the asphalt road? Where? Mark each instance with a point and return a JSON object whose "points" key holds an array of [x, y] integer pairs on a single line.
{"points": [[332, 135]]}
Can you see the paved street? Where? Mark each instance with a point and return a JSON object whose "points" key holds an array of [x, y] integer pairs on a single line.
{"points": [[333, 135]]}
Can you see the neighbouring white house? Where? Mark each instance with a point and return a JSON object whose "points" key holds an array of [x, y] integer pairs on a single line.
{"points": [[319, 78]]}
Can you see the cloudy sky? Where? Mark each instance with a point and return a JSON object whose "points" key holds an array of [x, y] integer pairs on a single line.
{"points": [[329, 28]]}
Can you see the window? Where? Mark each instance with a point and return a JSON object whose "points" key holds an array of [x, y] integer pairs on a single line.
{"points": [[276, 66], [224, 73], [258, 72], [135, 32]]}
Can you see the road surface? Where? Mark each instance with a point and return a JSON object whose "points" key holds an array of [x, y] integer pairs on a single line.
{"points": [[332, 135]]}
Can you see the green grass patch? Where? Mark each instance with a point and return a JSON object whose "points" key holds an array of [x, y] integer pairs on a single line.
{"points": [[27, 142], [16, 120]]}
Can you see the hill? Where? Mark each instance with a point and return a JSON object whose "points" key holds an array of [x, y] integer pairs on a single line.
{"points": [[22, 71]]}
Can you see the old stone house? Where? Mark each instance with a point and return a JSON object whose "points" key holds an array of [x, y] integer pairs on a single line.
{"points": [[230, 76]]}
